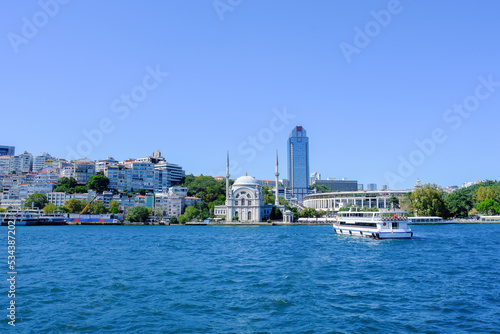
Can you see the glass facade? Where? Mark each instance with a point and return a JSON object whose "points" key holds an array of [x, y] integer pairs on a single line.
{"points": [[298, 162], [7, 150]]}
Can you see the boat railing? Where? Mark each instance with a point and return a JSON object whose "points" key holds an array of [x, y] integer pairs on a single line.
{"points": [[394, 218]]}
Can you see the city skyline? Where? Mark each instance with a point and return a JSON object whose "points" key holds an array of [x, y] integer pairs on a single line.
{"points": [[389, 91], [36, 165]]}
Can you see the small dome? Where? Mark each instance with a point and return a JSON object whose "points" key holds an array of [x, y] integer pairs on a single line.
{"points": [[246, 181]]}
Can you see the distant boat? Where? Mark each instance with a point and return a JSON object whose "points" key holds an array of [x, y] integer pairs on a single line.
{"points": [[378, 225], [425, 220]]}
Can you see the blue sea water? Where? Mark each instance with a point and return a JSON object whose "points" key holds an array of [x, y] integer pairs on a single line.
{"points": [[220, 279]]}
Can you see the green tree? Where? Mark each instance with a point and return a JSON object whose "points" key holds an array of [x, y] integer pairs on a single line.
{"points": [[36, 200], [3, 210], [50, 208], [98, 183], [80, 189], [159, 212], [114, 207], [97, 208], [489, 207], [268, 195], [484, 193], [173, 220], [321, 187], [191, 212], [138, 214], [295, 213], [429, 201], [63, 209], [463, 200], [309, 213], [393, 202], [183, 219], [66, 185], [460, 203], [276, 214], [75, 205]]}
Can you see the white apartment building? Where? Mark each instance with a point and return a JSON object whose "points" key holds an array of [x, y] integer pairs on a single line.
{"points": [[166, 175], [171, 205], [5, 164], [22, 162], [179, 191], [140, 176], [57, 198], [83, 170], [42, 161]]}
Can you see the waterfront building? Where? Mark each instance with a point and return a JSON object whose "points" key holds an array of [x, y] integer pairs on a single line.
{"points": [[170, 205], [339, 185], [83, 170], [174, 206], [332, 202], [360, 186], [57, 198], [298, 162], [371, 186], [244, 201], [146, 201], [7, 150], [125, 201]]}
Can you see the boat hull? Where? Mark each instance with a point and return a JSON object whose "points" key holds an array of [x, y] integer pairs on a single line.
{"points": [[375, 234]]}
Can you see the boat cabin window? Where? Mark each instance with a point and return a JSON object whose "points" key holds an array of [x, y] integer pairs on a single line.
{"points": [[394, 225]]}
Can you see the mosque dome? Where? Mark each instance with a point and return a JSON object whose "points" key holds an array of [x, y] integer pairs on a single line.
{"points": [[246, 181]]}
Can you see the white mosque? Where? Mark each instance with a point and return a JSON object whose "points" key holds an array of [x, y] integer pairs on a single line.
{"points": [[245, 200]]}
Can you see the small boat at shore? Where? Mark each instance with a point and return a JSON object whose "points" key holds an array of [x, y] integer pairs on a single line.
{"points": [[377, 225]]}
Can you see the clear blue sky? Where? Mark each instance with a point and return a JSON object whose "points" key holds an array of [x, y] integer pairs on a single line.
{"points": [[68, 72]]}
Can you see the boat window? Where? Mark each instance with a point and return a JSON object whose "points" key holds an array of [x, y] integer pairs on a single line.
{"points": [[394, 225]]}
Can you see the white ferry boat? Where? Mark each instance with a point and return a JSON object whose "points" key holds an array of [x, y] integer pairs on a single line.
{"points": [[378, 225], [31, 217], [489, 219]]}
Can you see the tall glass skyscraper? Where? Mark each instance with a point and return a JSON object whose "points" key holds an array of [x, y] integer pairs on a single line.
{"points": [[298, 162]]}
